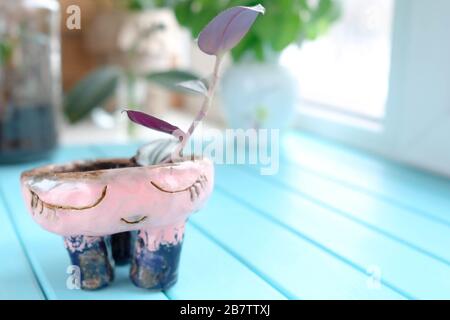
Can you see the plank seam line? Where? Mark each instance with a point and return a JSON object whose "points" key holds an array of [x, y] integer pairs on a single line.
{"points": [[391, 201], [22, 243], [284, 292], [329, 251], [367, 159], [330, 208]]}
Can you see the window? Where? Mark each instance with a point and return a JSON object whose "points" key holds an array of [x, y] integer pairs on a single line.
{"points": [[380, 80], [347, 70]]}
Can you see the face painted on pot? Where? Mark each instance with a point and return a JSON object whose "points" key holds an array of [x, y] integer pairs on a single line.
{"points": [[89, 198]]}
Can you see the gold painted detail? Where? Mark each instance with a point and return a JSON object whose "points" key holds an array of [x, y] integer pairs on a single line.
{"points": [[36, 202], [195, 189], [134, 222]]}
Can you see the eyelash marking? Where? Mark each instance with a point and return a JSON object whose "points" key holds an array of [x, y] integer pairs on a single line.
{"points": [[195, 189], [36, 202]]}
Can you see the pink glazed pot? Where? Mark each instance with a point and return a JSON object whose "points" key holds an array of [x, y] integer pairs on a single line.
{"points": [[96, 206]]}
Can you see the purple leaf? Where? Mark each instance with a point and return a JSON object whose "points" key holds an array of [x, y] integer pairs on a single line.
{"points": [[225, 31], [151, 122]]}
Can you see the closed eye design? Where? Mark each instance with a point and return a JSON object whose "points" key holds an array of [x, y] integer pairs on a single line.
{"points": [[195, 189], [36, 203]]}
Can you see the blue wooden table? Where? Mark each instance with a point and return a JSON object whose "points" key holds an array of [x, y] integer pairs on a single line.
{"points": [[333, 223]]}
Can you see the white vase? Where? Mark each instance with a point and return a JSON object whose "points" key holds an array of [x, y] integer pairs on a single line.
{"points": [[259, 95]]}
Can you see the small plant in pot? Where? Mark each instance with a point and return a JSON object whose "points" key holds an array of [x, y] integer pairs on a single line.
{"points": [[257, 91], [153, 193]]}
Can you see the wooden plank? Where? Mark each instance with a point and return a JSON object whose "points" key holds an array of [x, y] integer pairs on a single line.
{"points": [[295, 265], [17, 280], [46, 251], [207, 271], [416, 191], [402, 267], [417, 231]]}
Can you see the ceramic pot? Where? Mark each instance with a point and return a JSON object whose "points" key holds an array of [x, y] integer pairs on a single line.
{"points": [[88, 201]]}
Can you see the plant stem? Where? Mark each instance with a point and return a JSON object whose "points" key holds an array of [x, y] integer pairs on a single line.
{"points": [[131, 100], [203, 111]]}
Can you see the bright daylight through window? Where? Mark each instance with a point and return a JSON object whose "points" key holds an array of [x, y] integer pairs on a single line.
{"points": [[348, 69]]}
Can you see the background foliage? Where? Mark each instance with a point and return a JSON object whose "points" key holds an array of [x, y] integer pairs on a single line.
{"points": [[5, 51], [285, 22]]}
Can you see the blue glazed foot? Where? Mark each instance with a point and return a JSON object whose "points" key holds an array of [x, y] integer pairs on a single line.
{"points": [[93, 256], [154, 270]]}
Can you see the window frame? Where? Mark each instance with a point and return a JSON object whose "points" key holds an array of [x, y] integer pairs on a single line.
{"points": [[391, 135]]}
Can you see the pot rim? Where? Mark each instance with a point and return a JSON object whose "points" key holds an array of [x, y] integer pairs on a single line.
{"points": [[74, 169]]}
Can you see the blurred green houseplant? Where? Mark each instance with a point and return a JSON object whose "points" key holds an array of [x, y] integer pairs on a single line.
{"points": [[139, 5], [285, 22], [102, 83], [271, 98], [5, 51]]}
